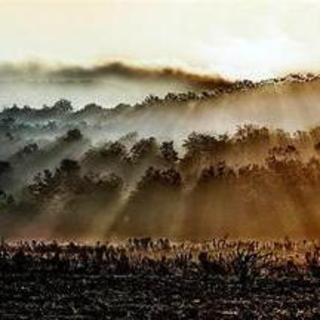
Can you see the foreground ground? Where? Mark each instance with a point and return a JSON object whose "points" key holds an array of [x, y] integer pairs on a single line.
{"points": [[147, 279]]}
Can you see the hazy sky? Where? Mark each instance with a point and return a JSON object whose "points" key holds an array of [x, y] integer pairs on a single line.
{"points": [[235, 38]]}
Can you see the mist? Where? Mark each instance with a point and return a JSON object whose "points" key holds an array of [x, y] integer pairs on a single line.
{"points": [[188, 165], [107, 84]]}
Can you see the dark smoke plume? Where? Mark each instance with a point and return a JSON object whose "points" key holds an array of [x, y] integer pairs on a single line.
{"points": [[109, 69]]}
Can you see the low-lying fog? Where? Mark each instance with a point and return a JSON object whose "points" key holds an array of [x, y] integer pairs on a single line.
{"points": [[106, 84], [107, 93]]}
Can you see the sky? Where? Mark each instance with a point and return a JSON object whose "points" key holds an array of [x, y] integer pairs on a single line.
{"points": [[237, 39]]}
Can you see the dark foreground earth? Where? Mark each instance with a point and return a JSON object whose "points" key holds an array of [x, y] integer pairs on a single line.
{"points": [[155, 279]]}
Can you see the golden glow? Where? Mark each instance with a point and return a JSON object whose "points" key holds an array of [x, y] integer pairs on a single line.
{"points": [[236, 38]]}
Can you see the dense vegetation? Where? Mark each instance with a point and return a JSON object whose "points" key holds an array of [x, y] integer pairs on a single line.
{"points": [[163, 167], [249, 183]]}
